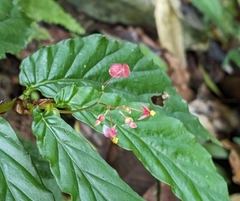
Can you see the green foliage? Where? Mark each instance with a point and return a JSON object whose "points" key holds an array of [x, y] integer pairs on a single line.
{"points": [[221, 14], [146, 51], [73, 72], [209, 82], [39, 33], [49, 11], [18, 22], [78, 168], [161, 137], [18, 176], [213, 9], [232, 56], [87, 63], [216, 151], [236, 140], [15, 29], [43, 169]]}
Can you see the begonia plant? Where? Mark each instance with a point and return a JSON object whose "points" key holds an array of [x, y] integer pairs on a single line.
{"points": [[109, 85]]}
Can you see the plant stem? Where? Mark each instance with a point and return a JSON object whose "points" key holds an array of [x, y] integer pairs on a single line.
{"points": [[85, 108], [79, 110]]}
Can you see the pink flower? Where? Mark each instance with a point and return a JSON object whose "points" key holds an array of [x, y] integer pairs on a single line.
{"points": [[129, 121], [109, 132], [99, 120], [119, 70], [146, 112]]}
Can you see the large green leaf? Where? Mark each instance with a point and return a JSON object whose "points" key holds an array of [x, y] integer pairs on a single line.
{"points": [[77, 167], [14, 29], [162, 143], [43, 169], [85, 62], [49, 11], [19, 179]]}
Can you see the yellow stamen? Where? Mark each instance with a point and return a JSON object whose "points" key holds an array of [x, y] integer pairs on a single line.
{"points": [[115, 140], [152, 112]]}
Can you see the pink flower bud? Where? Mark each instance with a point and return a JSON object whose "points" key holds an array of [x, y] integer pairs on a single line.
{"points": [[119, 70], [116, 70], [129, 122], [99, 120]]}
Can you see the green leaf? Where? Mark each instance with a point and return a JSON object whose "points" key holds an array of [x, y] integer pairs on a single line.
{"points": [[43, 169], [19, 179], [162, 143], [209, 82], [49, 11], [39, 33], [15, 29], [218, 14], [232, 55], [213, 9], [86, 61], [237, 140], [77, 167], [216, 151], [146, 51], [223, 173]]}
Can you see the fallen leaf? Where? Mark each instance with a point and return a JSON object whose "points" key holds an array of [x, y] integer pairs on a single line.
{"points": [[170, 29], [234, 159], [235, 197]]}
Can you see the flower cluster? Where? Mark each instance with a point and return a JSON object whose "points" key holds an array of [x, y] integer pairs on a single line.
{"points": [[120, 70]]}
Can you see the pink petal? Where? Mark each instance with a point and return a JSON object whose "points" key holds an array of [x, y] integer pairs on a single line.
{"points": [[97, 122], [116, 70], [143, 116], [133, 125], [146, 110], [109, 132], [114, 131], [126, 70]]}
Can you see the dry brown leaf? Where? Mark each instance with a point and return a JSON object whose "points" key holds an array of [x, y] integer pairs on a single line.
{"points": [[235, 197], [234, 159], [170, 29]]}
